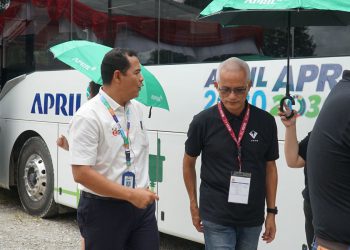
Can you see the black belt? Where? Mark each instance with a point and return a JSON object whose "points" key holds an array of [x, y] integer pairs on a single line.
{"points": [[97, 197]]}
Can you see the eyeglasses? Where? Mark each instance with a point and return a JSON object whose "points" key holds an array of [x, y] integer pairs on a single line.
{"points": [[225, 91]]}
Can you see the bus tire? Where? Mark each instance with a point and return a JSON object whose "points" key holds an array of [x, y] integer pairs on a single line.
{"points": [[35, 179]]}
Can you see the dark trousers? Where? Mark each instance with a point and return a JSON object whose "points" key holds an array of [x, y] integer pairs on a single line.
{"points": [[107, 223], [309, 228]]}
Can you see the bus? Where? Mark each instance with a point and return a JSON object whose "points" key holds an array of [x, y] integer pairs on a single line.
{"points": [[39, 94]]}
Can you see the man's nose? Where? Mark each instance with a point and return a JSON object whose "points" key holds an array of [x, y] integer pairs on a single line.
{"points": [[232, 93], [141, 79]]}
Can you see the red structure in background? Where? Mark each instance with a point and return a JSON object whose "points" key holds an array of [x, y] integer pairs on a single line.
{"points": [[193, 33]]}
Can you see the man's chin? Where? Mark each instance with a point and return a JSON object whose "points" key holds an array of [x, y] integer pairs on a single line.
{"points": [[136, 95]]}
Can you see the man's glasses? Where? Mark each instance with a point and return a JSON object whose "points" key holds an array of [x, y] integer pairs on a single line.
{"points": [[225, 91]]}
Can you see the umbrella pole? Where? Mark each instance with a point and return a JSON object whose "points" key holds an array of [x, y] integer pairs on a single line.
{"points": [[288, 53], [287, 96], [150, 112]]}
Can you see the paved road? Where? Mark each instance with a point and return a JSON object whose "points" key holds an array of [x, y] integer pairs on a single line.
{"points": [[19, 230]]}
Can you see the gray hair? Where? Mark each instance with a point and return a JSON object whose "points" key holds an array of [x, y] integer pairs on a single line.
{"points": [[233, 63]]}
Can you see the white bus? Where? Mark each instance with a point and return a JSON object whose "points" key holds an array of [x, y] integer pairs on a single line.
{"points": [[40, 95]]}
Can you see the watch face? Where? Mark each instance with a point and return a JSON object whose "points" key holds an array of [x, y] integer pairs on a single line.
{"points": [[4, 4]]}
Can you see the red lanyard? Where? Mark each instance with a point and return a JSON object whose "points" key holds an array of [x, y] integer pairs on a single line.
{"points": [[232, 133]]}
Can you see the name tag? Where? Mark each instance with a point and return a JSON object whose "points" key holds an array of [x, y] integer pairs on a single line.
{"points": [[128, 179], [239, 188]]}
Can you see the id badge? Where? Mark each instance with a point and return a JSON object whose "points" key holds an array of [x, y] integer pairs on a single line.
{"points": [[239, 187], [128, 179]]}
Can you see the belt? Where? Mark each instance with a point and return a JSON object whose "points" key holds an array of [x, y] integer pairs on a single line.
{"points": [[96, 197]]}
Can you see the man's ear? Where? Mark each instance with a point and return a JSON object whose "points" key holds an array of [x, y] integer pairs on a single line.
{"points": [[249, 84], [116, 74], [216, 85]]}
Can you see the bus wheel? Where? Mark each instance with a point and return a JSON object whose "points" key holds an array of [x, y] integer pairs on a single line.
{"points": [[35, 179]]}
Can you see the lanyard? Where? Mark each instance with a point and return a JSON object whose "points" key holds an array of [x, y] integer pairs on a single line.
{"points": [[121, 131], [232, 133]]}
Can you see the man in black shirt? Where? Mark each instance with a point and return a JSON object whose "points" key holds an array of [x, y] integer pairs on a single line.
{"points": [[238, 146], [329, 169]]}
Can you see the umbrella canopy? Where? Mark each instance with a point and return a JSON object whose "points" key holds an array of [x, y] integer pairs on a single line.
{"points": [[87, 57], [273, 13], [83, 56], [152, 94], [279, 13]]}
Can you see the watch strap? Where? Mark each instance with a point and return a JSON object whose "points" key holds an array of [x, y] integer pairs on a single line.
{"points": [[272, 210]]}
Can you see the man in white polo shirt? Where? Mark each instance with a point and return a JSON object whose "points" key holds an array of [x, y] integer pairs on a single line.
{"points": [[109, 157]]}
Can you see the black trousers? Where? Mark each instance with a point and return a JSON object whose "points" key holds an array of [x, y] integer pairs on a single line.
{"points": [[107, 223]]}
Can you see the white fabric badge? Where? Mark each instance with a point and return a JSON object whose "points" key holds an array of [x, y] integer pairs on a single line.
{"points": [[239, 188]]}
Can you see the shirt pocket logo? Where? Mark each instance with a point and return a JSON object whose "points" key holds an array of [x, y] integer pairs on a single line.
{"points": [[115, 131], [253, 134]]}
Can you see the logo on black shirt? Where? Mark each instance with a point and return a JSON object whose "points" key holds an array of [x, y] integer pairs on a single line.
{"points": [[253, 135]]}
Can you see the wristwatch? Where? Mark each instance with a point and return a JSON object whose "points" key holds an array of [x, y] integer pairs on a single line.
{"points": [[272, 210]]}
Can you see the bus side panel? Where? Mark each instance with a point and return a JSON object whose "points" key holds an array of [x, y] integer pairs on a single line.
{"points": [[290, 218], [173, 206], [7, 139], [186, 92], [154, 161], [66, 190], [190, 89]]}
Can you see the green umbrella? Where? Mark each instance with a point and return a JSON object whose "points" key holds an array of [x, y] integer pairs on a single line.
{"points": [[274, 13], [153, 94], [279, 13], [86, 57]]}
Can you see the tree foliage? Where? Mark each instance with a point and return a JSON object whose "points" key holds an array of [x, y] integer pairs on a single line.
{"points": [[275, 43]]}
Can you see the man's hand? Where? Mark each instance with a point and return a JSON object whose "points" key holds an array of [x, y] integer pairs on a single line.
{"points": [[196, 220], [62, 142], [270, 228], [288, 122], [141, 197]]}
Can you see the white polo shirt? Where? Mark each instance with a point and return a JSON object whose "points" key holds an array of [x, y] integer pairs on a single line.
{"points": [[94, 141]]}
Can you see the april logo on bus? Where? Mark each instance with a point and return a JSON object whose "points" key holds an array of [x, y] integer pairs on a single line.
{"points": [[57, 104]]}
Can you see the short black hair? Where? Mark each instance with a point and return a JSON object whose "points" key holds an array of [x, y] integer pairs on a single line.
{"points": [[116, 59], [94, 88]]}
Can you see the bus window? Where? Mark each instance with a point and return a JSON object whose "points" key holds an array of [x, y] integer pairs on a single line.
{"points": [[183, 39], [275, 43], [308, 41], [48, 29], [161, 32], [164, 32], [126, 24], [16, 59], [324, 45], [27, 32]]}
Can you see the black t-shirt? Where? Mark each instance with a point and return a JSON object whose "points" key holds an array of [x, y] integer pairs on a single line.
{"points": [[329, 166], [303, 153], [208, 136]]}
